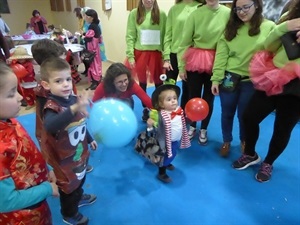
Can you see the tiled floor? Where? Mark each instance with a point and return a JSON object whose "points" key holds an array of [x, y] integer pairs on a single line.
{"points": [[80, 86]]}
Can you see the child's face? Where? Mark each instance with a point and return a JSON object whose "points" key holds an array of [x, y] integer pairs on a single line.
{"points": [[10, 99], [169, 100], [121, 82], [60, 83]]}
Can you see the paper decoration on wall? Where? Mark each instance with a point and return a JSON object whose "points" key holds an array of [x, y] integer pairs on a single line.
{"points": [[107, 5]]}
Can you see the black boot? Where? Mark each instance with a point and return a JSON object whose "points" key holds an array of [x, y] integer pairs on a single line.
{"points": [[162, 175], [93, 85]]}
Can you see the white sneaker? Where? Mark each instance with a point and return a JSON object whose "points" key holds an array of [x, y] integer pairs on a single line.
{"points": [[192, 132], [203, 137]]}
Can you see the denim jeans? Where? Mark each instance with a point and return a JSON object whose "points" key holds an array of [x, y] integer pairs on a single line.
{"points": [[232, 101]]}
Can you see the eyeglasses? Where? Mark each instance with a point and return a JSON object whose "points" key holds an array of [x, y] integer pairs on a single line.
{"points": [[244, 8], [121, 82]]}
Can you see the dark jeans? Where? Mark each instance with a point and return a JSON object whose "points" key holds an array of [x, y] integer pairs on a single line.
{"points": [[173, 74], [69, 202], [286, 117], [196, 82], [232, 102]]}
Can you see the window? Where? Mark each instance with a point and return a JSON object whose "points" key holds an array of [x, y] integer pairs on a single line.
{"points": [[57, 5]]}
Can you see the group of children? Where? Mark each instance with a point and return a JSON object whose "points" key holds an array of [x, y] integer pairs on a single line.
{"points": [[62, 133], [25, 177]]}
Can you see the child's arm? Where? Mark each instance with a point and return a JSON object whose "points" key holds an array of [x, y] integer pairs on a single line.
{"points": [[54, 121], [142, 95], [13, 199], [91, 141]]}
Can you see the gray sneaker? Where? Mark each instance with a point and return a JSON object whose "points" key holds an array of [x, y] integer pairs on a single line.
{"points": [[203, 137], [78, 219], [245, 161]]}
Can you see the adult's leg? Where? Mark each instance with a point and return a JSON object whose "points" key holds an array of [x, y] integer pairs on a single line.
{"points": [[286, 117], [208, 97], [194, 85], [258, 108], [246, 92]]}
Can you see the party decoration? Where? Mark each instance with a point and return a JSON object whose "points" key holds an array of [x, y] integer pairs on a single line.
{"points": [[112, 123], [196, 109]]}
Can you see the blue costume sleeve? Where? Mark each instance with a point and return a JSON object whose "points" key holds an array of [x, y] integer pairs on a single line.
{"points": [[12, 199]]}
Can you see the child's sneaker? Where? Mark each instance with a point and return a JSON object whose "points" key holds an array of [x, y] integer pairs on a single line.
{"points": [[192, 132], [265, 172], [244, 161], [78, 219], [170, 167], [87, 199], [164, 178], [203, 137]]}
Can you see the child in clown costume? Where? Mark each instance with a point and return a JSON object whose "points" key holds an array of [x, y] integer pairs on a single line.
{"points": [[25, 181], [169, 121], [65, 138]]}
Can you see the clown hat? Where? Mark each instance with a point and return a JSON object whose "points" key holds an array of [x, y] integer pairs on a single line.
{"points": [[169, 84], [20, 53]]}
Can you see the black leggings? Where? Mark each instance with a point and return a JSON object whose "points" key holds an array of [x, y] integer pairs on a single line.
{"points": [[173, 74], [196, 81], [286, 117]]}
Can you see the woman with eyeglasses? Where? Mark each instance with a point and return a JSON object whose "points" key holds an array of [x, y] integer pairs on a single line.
{"points": [[276, 76], [196, 54], [244, 35], [118, 83]]}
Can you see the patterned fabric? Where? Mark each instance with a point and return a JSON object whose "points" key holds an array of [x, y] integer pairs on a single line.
{"points": [[23, 162]]}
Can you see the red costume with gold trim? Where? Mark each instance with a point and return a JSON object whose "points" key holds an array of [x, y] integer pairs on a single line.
{"points": [[22, 161]]}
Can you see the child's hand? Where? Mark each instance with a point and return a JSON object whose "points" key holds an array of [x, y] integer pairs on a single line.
{"points": [[51, 176], [94, 145], [82, 103], [54, 189], [150, 122]]}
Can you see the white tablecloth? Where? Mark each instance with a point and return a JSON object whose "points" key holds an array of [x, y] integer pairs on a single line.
{"points": [[73, 47]]}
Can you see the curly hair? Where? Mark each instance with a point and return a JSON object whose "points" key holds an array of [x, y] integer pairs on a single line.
{"points": [[234, 22], [113, 71]]}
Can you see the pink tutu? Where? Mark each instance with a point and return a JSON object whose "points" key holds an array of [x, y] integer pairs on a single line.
{"points": [[267, 77], [200, 60]]}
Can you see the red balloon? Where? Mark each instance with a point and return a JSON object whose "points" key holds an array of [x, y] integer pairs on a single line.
{"points": [[196, 109], [19, 70]]}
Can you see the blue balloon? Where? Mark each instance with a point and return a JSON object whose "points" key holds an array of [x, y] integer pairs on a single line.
{"points": [[112, 123]]}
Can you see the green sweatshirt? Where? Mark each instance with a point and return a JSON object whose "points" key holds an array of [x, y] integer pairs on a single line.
{"points": [[177, 16], [235, 55], [134, 33], [273, 44], [202, 29]]}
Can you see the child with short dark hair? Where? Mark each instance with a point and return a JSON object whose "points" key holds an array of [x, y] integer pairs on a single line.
{"points": [[65, 138], [171, 131], [25, 181]]}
